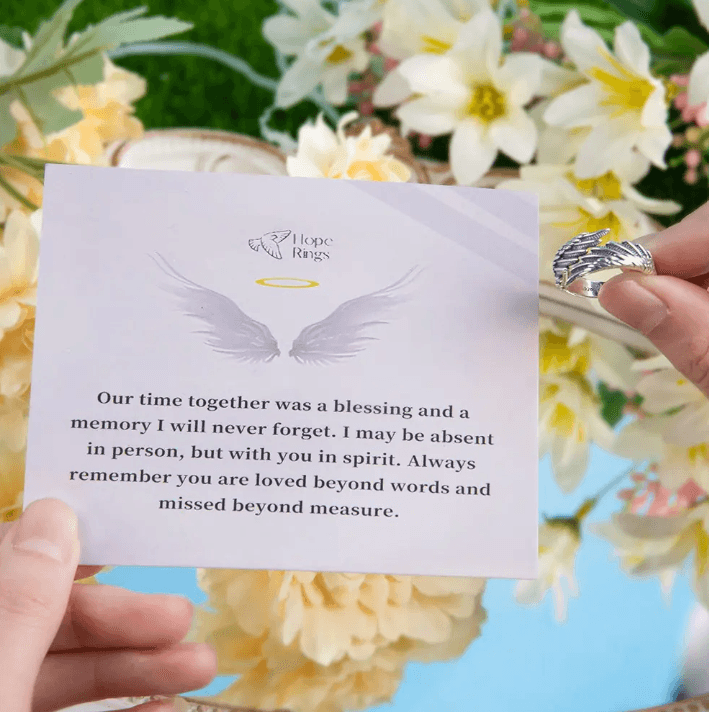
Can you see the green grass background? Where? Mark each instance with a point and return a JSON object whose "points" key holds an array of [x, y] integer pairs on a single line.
{"points": [[192, 91]]}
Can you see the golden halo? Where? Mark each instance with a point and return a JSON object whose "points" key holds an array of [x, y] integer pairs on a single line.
{"points": [[300, 283]]}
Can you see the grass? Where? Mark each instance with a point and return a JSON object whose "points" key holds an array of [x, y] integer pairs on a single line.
{"points": [[192, 91]]}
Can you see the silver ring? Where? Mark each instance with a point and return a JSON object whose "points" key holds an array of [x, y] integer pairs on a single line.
{"points": [[582, 256]]}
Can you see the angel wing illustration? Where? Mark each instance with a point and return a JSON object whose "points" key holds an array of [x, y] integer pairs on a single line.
{"points": [[344, 333], [573, 256], [227, 329]]}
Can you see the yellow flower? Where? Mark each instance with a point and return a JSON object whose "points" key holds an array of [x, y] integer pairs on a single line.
{"points": [[19, 250], [302, 639], [559, 542], [12, 467], [324, 153], [107, 116], [660, 545]]}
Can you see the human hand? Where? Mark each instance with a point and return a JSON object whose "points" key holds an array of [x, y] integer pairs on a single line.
{"points": [[62, 643], [672, 308]]}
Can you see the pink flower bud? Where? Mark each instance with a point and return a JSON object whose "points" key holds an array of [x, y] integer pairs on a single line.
{"points": [[691, 176], [681, 101], [552, 50], [693, 158], [366, 108], [681, 80], [424, 141], [678, 140], [390, 63], [701, 118]]}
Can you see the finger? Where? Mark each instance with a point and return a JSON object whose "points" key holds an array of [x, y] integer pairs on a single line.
{"points": [[111, 617], [38, 558], [683, 249], [672, 313], [73, 678]]}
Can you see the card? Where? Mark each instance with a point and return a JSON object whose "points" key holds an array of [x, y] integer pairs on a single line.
{"points": [[288, 373]]}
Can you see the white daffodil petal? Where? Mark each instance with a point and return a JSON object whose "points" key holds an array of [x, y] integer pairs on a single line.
{"points": [[519, 77], [297, 82], [393, 90], [582, 44], [654, 143], [434, 75], [598, 152], [651, 205], [472, 153], [334, 84], [556, 79], [480, 42], [578, 107], [427, 116], [10, 59], [515, 135], [286, 33], [302, 167], [698, 89], [630, 48], [702, 8]]}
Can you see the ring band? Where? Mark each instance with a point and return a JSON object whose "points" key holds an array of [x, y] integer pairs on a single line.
{"points": [[583, 255]]}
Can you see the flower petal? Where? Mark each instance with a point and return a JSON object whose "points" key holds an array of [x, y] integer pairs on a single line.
{"points": [[436, 76], [603, 144], [519, 77], [393, 90], [582, 44], [287, 33], [298, 81], [471, 153], [515, 135], [698, 90], [630, 48], [702, 8], [480, 44], [653, 143], [426, 116], [578, 107]]}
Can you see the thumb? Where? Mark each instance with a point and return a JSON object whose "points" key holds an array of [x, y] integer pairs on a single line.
{"points": [[38, 558], [671, 312]]}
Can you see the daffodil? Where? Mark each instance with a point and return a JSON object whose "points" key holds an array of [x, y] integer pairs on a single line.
{"points": [[324, 153], [698, 88], [569, 422], [327, 49], [622, 103], [559, 542], [569, 205], [657, 545], [477, 95]]}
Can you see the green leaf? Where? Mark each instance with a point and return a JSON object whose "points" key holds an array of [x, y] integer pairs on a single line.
{"points": [[678, 42], [51, 64], [612, 404], [11, 35]]}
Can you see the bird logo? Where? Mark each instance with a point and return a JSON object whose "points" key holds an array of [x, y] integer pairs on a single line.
{"points": [[270, 243]]}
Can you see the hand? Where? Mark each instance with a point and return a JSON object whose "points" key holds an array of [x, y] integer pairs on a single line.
{"points": [[62, 643], [671, 308]]}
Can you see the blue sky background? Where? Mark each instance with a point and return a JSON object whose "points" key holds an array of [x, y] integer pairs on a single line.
{"points": [[619, 649]]}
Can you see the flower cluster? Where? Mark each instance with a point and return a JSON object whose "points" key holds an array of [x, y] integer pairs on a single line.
{"points": [[106, 111], [326, 642]]}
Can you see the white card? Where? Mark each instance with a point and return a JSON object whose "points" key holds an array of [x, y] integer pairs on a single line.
{"points": [[288, 373]]}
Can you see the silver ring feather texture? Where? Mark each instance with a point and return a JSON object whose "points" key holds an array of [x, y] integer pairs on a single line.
{"points": [[583, 255]]}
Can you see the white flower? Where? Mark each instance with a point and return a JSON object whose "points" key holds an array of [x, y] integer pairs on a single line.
{"points": [[10, 59], [327, 49], [569, 205], [569, 421], [698, 89], [660, 545], [324, 153], [622, 102], [472, 93], [559, 541]]}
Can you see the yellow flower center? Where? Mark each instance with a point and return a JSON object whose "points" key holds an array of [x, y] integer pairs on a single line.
{"points": [[431, 45], [486, 103], [563, 420], [698, 452], [625, 90], [338, 55], [605, 187], [556, 356], [367, 170], [609, 221], [10, 514]]}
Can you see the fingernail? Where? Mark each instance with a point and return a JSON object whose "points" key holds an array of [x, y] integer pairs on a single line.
{"points": [[47, 528], [633, 303]]}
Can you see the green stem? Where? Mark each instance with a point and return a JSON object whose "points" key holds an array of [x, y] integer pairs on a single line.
{"points": [[589, 504], [16, 195]]}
